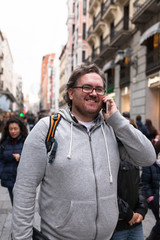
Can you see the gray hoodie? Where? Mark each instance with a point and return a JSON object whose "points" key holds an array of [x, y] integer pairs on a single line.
{"points": [[78, 195]]}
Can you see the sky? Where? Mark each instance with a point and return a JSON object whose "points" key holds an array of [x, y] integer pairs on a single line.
{"points": [[34, 28]]}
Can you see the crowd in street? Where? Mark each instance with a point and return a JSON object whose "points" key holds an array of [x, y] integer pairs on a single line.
{"points": [[94, 153]]}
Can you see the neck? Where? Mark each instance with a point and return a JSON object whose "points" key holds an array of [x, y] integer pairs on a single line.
{"points": [[83, 118]]}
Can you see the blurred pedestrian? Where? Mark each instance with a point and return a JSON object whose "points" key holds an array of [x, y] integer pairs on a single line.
{"points": [[151, 181], [78, 194], [152, 130], [126, 115], [141, 126], [131, 201], [31, 121], [11, 144]]}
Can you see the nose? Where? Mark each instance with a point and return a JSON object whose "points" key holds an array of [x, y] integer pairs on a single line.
{"points": [[93, 92]]}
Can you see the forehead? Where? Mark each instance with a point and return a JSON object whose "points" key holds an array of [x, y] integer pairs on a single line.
{"points": [[91, 78], [13, 125]]}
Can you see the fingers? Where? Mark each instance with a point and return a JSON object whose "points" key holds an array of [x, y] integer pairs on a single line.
{"points": [[112, 108]]}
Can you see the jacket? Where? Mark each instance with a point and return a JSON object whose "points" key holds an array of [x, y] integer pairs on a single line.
{"points": [[8, 162], [78, 195], [151, 181], [131, 195], [142, 127]]}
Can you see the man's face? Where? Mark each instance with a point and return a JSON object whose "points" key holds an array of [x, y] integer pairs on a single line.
{"points": [[86, 106]]}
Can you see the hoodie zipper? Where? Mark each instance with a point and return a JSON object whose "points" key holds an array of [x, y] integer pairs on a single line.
{"points": [[96, 190]]}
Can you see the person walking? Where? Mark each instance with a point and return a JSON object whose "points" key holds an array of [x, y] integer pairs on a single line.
{"points": [[151, 181], [152, 130], [11, 144], [131, 201], [141, 126], [78, 190]]}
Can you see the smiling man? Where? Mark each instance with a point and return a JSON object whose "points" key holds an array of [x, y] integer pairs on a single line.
{"points": [[78, 194]]}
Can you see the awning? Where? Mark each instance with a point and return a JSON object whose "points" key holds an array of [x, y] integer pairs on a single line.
{"points": [[150, 32], [108, 65], [122, 54]]}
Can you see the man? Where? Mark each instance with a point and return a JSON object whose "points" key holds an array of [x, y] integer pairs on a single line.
{"points": [[141, 126], [78, 195]]}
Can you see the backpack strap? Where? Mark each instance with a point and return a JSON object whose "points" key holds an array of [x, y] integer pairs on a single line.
{"points": [[54, 120]]}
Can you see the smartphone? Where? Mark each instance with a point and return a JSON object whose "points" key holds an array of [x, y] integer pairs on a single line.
{"points": [[105, 106]]}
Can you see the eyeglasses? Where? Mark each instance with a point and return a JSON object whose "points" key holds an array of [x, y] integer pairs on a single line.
{"points": [[90, 89]]}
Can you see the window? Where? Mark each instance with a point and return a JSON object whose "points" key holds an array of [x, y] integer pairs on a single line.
{"points": [[84, 7], [84, 31], [102, 8], [153, 54], [83, 56], [73, 7], [73, 28], [112, 31], [77, 11], [110, 80], [77, 36], [126, 17], [72, 49]]}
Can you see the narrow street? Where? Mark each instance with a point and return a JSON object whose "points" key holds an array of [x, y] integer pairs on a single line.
{"points": [[6, 217]]}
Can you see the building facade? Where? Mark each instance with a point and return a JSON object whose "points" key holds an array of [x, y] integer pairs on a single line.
{"points": [[77, 46], [124, 41], [62, 77], [47, 91], [11, 97]]}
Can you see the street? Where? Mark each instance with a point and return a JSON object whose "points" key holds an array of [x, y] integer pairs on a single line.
{"points": [[6, 216]]}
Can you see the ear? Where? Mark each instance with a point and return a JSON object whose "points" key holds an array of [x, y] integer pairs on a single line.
{"points": [[70, 93]]}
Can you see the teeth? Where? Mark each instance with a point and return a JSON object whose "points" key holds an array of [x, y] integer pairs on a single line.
{"points": [[91, 101]]}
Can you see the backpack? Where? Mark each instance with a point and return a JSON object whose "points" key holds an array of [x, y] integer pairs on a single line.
{"points": [[50, 140]]}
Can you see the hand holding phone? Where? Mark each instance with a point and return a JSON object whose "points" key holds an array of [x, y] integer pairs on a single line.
{"points": [[105, 107]]}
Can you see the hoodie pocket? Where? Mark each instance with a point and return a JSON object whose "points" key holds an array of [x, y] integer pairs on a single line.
{"points": [[108, 216], [79, 222]]}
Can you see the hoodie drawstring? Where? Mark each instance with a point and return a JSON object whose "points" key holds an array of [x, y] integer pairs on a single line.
{"points": [[70, 146], [108, 159]]}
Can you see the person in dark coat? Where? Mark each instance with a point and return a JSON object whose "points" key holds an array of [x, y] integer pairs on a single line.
{"points": [[131, 201], [11, 144], [151, 181], [141, 126]]}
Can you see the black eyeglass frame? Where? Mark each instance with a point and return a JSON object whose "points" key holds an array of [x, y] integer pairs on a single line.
{"points": [[91, 89]]}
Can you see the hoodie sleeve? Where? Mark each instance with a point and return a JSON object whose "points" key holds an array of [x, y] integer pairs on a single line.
{"points": [[30, 173], [137, 148]]}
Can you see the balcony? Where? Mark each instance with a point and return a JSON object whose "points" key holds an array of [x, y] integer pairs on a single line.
{"points": [[121, 33], [93, 5], [91, 36], [144, 10], [109, 9], [153, 61], [98, 24], [104, 52]]}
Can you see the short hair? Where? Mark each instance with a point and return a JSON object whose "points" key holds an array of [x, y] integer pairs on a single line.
{"points": [[138, 118], [126, 114], [77, 73]]}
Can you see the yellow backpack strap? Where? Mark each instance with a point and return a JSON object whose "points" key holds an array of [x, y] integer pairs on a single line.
{"points": [[54, 120]]}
